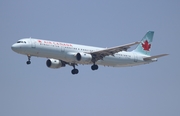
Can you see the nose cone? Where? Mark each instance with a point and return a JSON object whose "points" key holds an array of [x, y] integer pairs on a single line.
{"points": [[15, 48]]}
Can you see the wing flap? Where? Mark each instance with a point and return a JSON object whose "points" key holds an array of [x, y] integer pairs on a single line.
{"points": [[100, 54], [152, 57], [116, 49]]}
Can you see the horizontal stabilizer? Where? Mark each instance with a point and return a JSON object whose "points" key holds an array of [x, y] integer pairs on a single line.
{"points": [[152, 57]]}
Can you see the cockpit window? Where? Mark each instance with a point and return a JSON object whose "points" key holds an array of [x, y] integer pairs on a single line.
{"points": [[21, 42]]}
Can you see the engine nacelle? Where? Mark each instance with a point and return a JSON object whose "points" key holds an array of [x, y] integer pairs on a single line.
{"points": [[84, 57], [54, 63]]}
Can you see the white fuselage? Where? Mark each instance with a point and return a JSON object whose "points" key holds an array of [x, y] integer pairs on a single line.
{"points": [[67, 51]]}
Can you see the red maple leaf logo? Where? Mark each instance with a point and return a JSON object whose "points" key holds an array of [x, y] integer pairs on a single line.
{"points": [[146, 45], [39, 41]]}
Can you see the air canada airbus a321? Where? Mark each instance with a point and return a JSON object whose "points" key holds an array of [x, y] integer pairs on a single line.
{"points": [[60, 54]]}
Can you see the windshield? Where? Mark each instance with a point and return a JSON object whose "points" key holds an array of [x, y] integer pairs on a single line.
{"points": [[21, 42]]}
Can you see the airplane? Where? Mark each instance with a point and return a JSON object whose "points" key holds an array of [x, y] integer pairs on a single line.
{"points": [[60, 54]]}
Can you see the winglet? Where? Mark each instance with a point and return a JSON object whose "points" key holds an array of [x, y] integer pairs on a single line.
{"points": [[152, 57]]}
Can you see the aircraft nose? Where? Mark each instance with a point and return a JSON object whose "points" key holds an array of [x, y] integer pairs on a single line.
{"points": [[14, 47]]}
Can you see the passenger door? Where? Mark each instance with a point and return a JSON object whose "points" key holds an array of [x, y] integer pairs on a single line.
{"points": [[135, 58], [33, 43]]}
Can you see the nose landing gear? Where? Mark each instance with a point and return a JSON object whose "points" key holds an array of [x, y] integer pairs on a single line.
{"points": [[29, 60]]}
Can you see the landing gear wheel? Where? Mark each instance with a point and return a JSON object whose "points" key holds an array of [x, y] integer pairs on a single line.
{"points": [[94, 67], [75, 71], [29, 58], [28, 62]]}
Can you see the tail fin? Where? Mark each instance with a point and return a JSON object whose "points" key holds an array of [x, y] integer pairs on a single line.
{"points": [[145, 45]]}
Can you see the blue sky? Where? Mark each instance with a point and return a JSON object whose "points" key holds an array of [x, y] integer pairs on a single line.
{"points": [[151, 89]]}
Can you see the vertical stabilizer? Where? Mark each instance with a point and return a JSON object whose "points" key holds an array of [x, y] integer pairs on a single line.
{"points": [[145, 45]]}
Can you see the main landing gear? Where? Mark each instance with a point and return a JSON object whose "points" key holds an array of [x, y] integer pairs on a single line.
{"points": [[29, 60], [74, 71], [94, 67]]}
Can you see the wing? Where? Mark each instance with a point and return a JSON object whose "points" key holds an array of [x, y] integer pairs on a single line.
{"points": [[99, 55]]}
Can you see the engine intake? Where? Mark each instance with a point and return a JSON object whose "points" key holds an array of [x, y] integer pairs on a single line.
{"points": [[53, 63], [83, 57], [78, 56]]}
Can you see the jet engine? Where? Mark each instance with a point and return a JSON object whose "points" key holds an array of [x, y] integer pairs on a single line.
{"points": [[54, 63], [83, 57]]}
